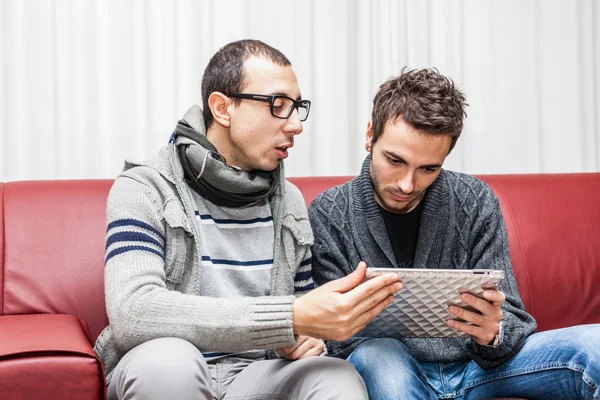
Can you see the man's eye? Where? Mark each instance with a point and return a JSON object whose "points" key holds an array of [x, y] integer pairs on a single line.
{"points": [[393, 161], [429, 170]]}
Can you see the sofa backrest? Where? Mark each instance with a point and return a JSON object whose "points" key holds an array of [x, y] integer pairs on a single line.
{"points": [[52, 240], [553, 225]]}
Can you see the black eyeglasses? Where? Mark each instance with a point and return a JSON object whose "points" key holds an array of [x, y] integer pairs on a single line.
{"points": [[281, 106]]}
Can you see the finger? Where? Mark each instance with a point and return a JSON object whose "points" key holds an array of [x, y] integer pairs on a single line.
{"points": [[480, 335], [372, 292], [487, 309], [281, 351], [313, 352], [348, 282], [290, 349], [473, 317], [364, 318], [495, 297], [310, 347]]}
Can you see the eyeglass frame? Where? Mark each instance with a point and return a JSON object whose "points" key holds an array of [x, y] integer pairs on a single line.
{"points": [[271, 100]]}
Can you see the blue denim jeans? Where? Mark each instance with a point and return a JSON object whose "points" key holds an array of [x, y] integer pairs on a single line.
{"points": [[557, 364]]}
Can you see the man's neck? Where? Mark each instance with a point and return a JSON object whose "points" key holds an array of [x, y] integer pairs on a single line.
{"points": [[215, 135]]}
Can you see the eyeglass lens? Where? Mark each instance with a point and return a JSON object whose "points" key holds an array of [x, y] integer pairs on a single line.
{"points": [[283, 108]]}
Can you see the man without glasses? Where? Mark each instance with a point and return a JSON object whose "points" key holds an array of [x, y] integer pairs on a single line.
{"points": [[404, 210]]}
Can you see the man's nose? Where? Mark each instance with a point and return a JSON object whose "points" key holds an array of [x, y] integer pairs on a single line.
{"points": [[407, 183], [293, 123]]}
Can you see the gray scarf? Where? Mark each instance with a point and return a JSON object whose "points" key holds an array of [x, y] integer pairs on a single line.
{"points": [[208, 174]]}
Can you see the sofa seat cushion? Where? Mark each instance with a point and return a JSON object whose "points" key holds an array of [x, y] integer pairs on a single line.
{"points": [[48, 356]]}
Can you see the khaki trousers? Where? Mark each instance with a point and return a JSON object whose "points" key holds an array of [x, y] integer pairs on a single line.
{"points": [[170, 368]]}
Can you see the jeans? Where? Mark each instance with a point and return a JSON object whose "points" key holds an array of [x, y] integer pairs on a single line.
{"points": [[557, 364]]}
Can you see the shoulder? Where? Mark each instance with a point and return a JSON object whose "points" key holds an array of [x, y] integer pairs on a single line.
{"points": [[293, 199], [332, 200], [469, 194], [149, 169], [465, 187], [143, 183], [330, 209], [156, 172], [138, 179], [292, 192], [295, 215], [293, 203]]}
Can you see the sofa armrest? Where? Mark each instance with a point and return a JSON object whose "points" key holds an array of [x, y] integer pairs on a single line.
{"points": [[48, 356]]}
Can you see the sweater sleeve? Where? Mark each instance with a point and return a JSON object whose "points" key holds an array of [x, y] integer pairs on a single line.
{"points": [[330, 261], [303, 280], [490, 250], [139, 305], [332, 258]]}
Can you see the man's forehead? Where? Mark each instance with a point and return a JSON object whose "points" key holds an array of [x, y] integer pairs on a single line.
{"points": [[263, 76], [401, 140]]}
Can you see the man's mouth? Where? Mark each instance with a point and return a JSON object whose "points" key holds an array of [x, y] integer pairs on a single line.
{"points": [[282, 151], [401, 198]]}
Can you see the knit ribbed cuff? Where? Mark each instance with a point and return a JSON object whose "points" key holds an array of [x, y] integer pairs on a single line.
{"points": [[272, 322]]}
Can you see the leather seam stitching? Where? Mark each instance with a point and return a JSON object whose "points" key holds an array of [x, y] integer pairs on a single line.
{"points": [[518, 237]]}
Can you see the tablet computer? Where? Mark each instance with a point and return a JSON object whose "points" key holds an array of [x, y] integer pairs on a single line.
{"points": [[420, 309]]}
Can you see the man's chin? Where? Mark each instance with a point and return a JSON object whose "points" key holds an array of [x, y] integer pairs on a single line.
{"points": [[269, 166], [398, 207]]}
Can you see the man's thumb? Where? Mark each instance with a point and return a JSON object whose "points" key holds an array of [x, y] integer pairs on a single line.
{"points": [[350, 281]]}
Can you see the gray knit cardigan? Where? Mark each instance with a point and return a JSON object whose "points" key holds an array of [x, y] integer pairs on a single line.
{"points": [[461, 227], [152, 295]]}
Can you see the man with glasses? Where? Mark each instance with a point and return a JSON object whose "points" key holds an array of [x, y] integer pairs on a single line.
{"points": [[208, 269]]}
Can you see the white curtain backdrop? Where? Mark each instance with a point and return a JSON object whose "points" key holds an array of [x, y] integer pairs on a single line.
{"points": [[85, 84]]}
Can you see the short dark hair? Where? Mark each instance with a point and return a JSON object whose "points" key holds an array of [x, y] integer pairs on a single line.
{"points": [[425, 99], [225, 70]]}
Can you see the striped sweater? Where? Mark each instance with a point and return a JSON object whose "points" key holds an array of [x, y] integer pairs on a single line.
{"points": [[237, 255], [154, 273]]}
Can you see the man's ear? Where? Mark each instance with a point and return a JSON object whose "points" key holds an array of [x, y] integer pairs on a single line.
{"points": [[369, 141], [218, 104]]}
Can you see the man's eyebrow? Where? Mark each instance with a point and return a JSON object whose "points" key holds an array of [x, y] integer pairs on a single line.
{"points": [[399, 158], [286, 95], [394, 156], [432, 166]]}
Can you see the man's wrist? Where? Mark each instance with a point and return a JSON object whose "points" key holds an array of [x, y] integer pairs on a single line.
{"points": [[297, 317], [499, 337]]}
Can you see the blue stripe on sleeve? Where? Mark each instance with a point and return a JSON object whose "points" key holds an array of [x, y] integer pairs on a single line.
{"points": [[125, 249], [133, 237], [134, 222], [302, 276], [310, 286], [306, 262]]}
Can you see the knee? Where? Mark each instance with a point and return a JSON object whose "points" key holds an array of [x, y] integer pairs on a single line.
{"points": [[577, 344], [377, 353], [581, 339], [167, 359], [338, 378], [343, 369]]}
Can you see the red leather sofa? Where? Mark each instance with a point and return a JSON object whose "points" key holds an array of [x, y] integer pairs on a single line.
{"points": [[52, 255]]}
